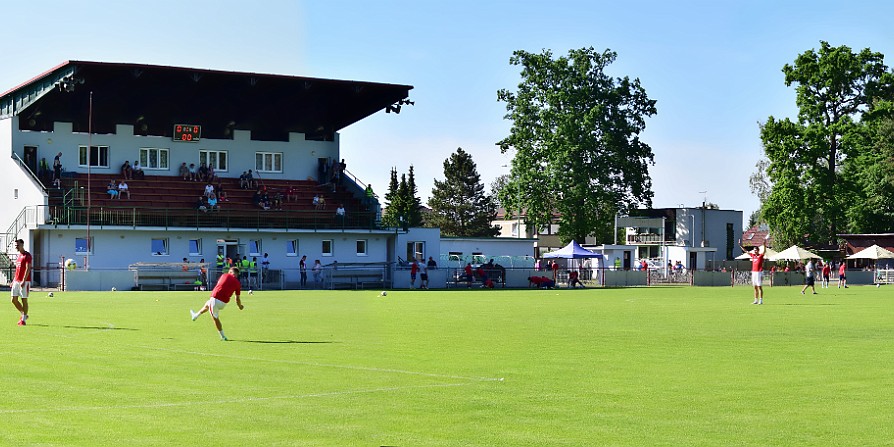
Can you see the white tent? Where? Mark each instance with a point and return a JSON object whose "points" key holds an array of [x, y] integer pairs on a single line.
{"points": [[794, 253], [873, 252]]}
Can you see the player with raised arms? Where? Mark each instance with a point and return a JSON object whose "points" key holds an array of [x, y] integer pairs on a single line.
{"points": [[21, 282], [757, 271], [227, 285]]}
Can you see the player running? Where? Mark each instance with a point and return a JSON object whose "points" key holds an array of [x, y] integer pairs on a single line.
{"points": [[21, 282], [227, 285], [757, 272]]}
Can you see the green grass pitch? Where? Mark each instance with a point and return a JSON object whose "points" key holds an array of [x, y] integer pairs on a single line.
{"points": [[674, 366]]}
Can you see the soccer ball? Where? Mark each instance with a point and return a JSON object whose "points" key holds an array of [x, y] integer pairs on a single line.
{"points": [[50, 294], [250, 292], [70, 264], [384, 293], [114, 289]]}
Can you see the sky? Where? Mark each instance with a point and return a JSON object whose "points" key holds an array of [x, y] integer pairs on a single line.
{"points": [[714, 67]]}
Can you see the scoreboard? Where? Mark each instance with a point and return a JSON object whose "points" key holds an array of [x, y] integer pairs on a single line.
{"points": [[187, 132]]}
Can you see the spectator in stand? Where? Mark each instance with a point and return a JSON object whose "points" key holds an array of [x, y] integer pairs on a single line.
{"points": [[317, 271], [57, 169], [202, 173], [250, 180], [212, 176], [277, 200], [193, 172], [340, 212], [209, 189], [200, 205], [126, 170], [243, 180], [221, 194], [138, 170], [112, 189], [292, 194], [265, 199], [212, 202], [322, 203], [123, 189], [370, 195], [184, 171]]}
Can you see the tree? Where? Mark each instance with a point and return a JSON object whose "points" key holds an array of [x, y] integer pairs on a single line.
{"points": [[459, 205], [575, 133], [835, 89], [497, 186], [871, 175], [403, 203]]}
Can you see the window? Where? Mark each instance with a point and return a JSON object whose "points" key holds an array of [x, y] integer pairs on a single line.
{"points": [[361, 247], [515, 229], [730, 240], [454, 256], [83, 246], [98, 157], [195, 247], [327, 247], [154, 158], [292, 247], [160, 247], [268, 161], [214, 159], [415, 250], [254, 247]]}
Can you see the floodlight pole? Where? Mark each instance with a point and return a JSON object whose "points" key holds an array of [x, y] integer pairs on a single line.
{"points": [[89, 187]]}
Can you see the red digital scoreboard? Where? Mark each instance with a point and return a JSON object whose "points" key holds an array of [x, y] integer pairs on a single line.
{"points": [[187, 132]]}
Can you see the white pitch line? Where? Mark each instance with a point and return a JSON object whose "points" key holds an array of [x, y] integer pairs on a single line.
{"points": [[222, 401], [328, 365]]}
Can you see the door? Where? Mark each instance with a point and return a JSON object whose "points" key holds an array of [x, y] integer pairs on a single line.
{"points": [[31, 158], [693, 261], [627, 256]]}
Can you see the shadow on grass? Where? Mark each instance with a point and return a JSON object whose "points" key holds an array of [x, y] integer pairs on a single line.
{"points": [[282, 341], [806, 304], [94, 328]]}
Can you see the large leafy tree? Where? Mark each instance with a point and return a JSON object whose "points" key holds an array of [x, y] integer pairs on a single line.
{"points": [[575, 133], [835, 88], [871, 176], [459, 204]]}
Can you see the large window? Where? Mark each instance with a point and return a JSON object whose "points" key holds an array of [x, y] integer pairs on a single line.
{"points": [[214, 159], [415, 250], [254, 247], [154, 158], [327, 247], [98, 156], [268, 161], [159, 247]]}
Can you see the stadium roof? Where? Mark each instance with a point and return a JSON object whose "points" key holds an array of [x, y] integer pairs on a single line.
{"points": [[155, 98]]}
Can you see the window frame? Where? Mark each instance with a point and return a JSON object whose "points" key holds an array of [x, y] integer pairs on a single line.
{"points": [[292, 244], [205, 156], [198, 246], [261, 161], [84, 153], [331, 248], [254, 244], [90, 246], [365, 250], [166, 249]]}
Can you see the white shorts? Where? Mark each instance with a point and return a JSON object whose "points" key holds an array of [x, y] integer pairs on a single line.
{"points": [[757, 279], [21, 288], [215, 306]]}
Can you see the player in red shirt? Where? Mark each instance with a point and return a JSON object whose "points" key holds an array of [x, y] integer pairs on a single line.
{"points": [[227, 285], [827, 274], [21, 282], [757, 272], [414, 267], [842, 275]]}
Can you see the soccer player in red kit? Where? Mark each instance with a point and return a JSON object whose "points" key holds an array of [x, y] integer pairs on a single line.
{"points": [[21, 282], [227, 285], [757, 272]]}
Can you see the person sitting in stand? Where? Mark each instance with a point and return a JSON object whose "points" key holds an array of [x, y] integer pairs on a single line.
{"points": [[200, 205], [265, 199], [250, 180], [221, 194], [209, 189], [123, 189], [126, 170], [212, 202], [243, 180], [112, 189], [138, 170], [184, 171], [202, 173], [212, 176], [193, 172], [292, 194], [277, 200], [574, 280], [340, 211]]}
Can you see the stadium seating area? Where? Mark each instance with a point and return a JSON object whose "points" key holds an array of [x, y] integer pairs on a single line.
{"points": [[177, 195]]}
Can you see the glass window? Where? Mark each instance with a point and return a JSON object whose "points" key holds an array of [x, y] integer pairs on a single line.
{"points": [[268, 161], [361, 247], [98, 156], [254, 247], [195, 247], [415, 250], [154, 158], [292, 247], [327, 247], [214, 159], [160, 247], [82, 246]]}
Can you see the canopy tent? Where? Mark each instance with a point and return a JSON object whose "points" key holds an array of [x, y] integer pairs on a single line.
{"points": [[767, 254], [873, 252], [794, 253], [572, 251]]}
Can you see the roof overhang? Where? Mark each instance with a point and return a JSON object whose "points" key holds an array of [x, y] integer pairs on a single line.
{"points": [[155, 98]]}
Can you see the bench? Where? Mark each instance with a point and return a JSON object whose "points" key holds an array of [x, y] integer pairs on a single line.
{"points": [[166, 280], [356, 279], [458, 279]]}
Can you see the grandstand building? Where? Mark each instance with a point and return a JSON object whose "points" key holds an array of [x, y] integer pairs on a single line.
{"points": [[100, 115]]}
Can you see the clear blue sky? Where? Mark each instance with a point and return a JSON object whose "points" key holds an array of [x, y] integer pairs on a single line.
{"points": [[714, 67]]}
